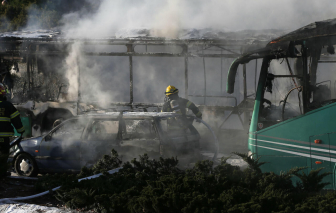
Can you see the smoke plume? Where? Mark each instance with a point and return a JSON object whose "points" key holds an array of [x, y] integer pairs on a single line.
{"points": [[106, 79], [167, 17]]}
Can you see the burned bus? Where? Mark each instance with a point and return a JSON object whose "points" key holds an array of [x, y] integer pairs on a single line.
{"points": [[294, 119], [52, 76], [35, 79]]}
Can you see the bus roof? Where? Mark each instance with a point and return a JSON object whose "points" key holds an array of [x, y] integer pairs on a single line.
{"points": [[278, 47]]}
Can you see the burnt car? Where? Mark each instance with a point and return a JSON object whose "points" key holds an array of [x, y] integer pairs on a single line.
{"points": [[82, 140]]}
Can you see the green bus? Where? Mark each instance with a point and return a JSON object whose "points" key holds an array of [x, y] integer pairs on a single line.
{"points": [[294, 118]]}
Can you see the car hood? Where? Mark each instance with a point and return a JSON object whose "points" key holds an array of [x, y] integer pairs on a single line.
{"points": [[30, 142]]}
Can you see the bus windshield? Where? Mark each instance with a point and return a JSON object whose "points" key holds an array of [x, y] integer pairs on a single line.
{"points": [[281, 91], [283, 88]]}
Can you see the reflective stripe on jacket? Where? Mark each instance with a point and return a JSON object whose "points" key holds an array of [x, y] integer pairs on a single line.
{"points": [[8, 116], [183, 104]]}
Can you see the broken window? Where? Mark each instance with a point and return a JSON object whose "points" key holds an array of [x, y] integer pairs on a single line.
{"points": [[72, 129], [101, 137], [139, 129], [103, 130], [139, 136], [282, 93], [283, 98], [321, 68]]}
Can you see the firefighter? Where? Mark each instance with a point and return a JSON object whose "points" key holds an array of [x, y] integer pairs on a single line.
{"points": [[174, 103], [8, 116]]}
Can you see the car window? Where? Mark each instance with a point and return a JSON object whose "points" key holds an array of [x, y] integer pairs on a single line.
{"points": [[164, 125], [103, 130], [72, 129], [139, 129]]}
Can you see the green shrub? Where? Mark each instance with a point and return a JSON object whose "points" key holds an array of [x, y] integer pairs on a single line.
{"points": [[149, 185]]}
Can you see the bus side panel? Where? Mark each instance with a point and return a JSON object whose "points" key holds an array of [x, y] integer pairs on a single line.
{"points": [[332, 144], [320, 156], [288, 144]]}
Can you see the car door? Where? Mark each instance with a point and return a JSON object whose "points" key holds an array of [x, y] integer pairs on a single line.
{"points": [[100, 138], [60, 149]]}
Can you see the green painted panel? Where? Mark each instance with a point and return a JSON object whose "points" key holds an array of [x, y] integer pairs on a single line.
{"points": [[26, 122], [288, 144], [281, 164], [320, 156], [332, 143], [316, 122]]}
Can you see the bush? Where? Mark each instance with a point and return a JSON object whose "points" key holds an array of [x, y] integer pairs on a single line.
{"points": [[149, 185]]}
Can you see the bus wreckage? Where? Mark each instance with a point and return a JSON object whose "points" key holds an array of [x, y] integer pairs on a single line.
{"points": [[293, 121], [32, 68]]}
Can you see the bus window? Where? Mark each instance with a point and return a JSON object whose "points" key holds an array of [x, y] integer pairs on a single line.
{"points": [[282, 95], [322, 78]]}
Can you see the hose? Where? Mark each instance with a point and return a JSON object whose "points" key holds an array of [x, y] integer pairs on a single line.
{"points": [[214, 135], [285, 100], [7, 200]]}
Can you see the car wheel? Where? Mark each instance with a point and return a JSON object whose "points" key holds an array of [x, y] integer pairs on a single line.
{"points": [[25, 165]]}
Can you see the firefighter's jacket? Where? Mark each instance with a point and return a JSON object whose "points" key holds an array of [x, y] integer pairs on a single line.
{"points": [[9, 115], [180, 107]]}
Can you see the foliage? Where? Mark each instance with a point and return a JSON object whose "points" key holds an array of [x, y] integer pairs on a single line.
{"points": [[108, 162], [149, 185], [253, 163], [312, 181]]}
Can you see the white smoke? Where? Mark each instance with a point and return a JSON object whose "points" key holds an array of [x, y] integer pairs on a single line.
{"points": [[167, 21], [166, 17], [106, 79], [72, 71]]}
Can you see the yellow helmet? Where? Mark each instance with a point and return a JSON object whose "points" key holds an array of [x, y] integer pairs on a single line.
{"points": [[171, 90]]}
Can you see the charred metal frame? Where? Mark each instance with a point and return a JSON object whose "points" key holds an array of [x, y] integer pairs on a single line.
{"points": [[11, 48]]}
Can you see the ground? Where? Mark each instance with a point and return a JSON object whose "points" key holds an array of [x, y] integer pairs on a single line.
{"points": [[12, 187]]}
